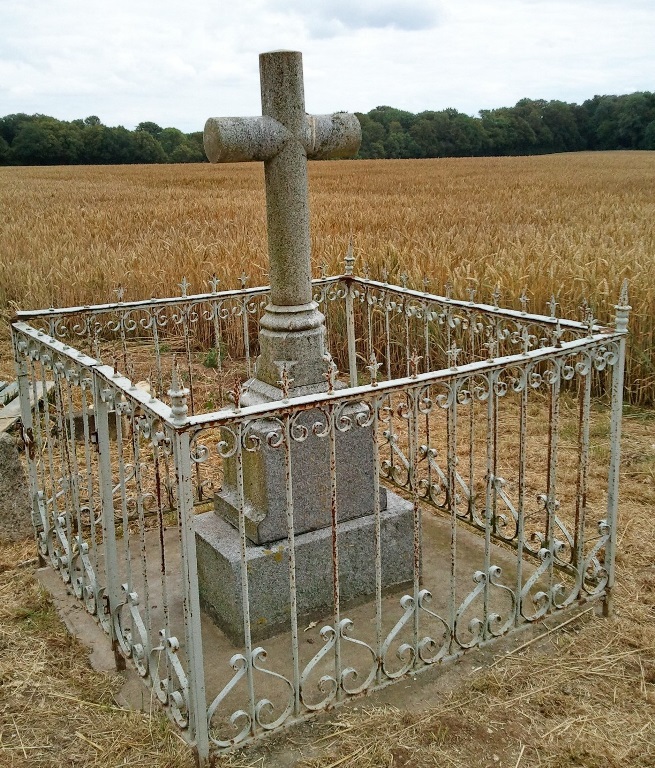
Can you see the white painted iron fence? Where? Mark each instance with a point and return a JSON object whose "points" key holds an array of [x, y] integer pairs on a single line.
{"points": [[482, 420]]}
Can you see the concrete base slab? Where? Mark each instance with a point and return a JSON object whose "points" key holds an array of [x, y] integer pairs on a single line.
{"points": [[218, 548], [78, 622], [411, 692]]}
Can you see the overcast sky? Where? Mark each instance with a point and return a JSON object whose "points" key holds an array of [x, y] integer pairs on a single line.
{"points": [[177, 62]]}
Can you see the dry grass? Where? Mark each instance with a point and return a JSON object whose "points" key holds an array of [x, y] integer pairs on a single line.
{"points": [[574, 225], [54, 710], [583, 696]]}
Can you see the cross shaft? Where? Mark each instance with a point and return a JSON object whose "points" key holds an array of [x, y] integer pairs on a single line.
{"points": [[284, 137]]}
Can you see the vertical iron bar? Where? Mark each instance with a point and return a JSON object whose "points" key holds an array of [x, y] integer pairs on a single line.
{"points": [[102, 402], [387, 336], [245, 599], [138, 486], [292, 565], [335, 552], [375, 405], [350, 328], [86, 385], [582, 479], [551, 494], [489, 507], [246, 333], [158, 366], [38, 432], [217, 335], [408, 350], [191, 600], [426, 338], [520, 510], [118, 417], [615, 464], [22, 374], [451, 463], [158, 440], [412, 435]]}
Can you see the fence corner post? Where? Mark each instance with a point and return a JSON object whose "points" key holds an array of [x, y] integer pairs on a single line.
{"points": [[621, 325]]}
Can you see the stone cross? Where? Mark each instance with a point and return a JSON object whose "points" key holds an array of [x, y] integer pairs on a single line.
{"points": [[292, 362], [284, 138]]}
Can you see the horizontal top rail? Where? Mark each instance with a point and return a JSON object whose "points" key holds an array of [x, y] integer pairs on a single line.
{"points": [[153, 302], [472, 305], [445, 301], [162, 410], [352, 394]]}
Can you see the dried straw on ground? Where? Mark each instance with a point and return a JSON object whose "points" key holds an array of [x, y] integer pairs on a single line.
{"points": [[582, 696]]}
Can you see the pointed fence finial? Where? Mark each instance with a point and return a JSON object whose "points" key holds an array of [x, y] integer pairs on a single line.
{"points": [[214, 283], [323, 268], [373, 368], [448, 288], [491, 345], [234, 395], [184, 287], [331, 373], [178, 395], [471, 292], [120, 293], [495, 296], [414, 360], [523, 300], [350, 258], [151, 386], [243, 279], [552, 305], [453, 354], [557, 334], [590, 320], [285, 381], [622, 309]]}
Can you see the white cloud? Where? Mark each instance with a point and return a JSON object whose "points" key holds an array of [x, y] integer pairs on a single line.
{"points": [[329, 18], [177, 64]]}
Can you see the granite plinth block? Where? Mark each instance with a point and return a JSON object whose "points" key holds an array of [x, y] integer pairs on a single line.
{"points": [[218, 550], [264, 480]]}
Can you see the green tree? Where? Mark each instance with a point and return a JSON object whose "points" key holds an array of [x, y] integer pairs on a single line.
{"points": [[507, 132], [46, 141], [11, 124], [152, 128], [4, 152], [559, 117], [187, 152], [170, 139], [146, 148], [649, 136]]}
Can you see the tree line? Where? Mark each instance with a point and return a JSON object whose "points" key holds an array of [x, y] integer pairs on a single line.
{"points": [[43, 140], [529, 127]]}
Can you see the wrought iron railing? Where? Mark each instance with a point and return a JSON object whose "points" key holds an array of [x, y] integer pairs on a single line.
{"points": [[481, 418]]}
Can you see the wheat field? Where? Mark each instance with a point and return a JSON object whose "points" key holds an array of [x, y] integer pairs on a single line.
{"points": [[571, 225]]}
